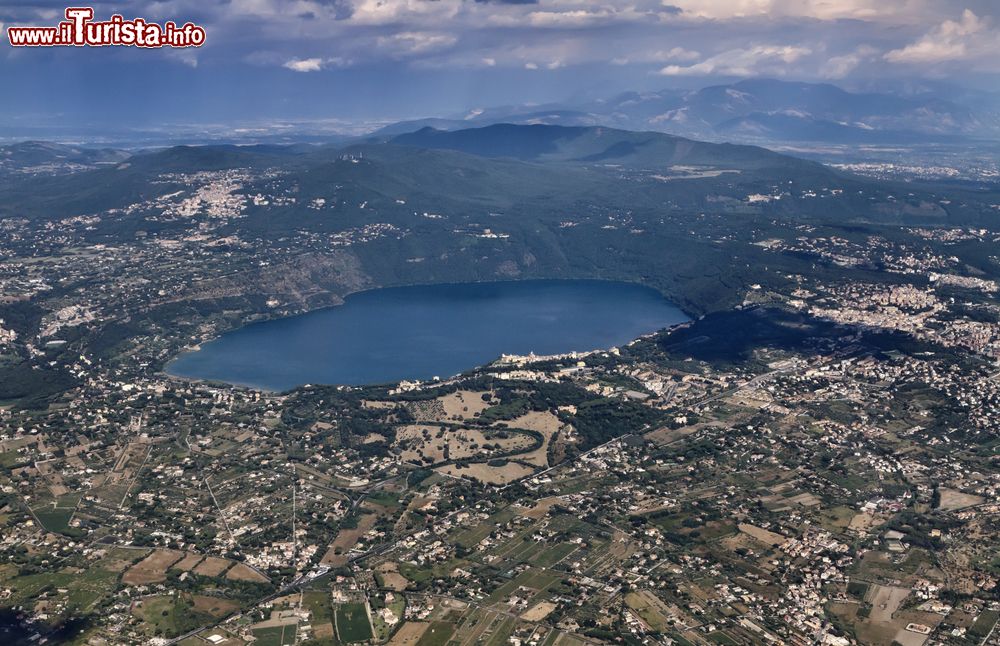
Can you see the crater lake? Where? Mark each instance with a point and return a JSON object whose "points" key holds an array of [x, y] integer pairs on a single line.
{"points": [[427, 331]]}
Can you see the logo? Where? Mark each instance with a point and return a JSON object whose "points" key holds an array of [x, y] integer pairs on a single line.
{"points": [[80, 30]]}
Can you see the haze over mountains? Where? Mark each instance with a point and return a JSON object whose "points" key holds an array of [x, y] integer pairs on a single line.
{"points": [[592, 144], [539, 143], [764, 110], [496, 167], [485, 164], [45, 158], [758, 111]]}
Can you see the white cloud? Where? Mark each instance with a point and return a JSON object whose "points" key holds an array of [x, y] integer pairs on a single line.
{"points": [[951, 40], [839, 67], [381, 12], [304, 65], [676, 54], [571, 14], [415, 42], [187, 57], [673, 55], [705, 37], [743, 62], [818, 9], [575, 18]]}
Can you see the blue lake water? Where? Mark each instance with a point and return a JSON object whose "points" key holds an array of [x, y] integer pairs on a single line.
{"points": [[420, 332]]}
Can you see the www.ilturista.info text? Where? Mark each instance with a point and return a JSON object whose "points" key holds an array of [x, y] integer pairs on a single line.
{"points": [[80, 30]]}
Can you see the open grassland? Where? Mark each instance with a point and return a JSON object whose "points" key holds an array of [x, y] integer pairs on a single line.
{"points": [[487, 473], [425, 444]]}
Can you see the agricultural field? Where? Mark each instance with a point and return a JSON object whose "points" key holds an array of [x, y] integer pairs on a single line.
{"points": [[352, 623], [153, 568], [284, 635]]}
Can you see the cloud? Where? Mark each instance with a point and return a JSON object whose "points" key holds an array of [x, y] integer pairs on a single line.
{"points": [[809, 39], [578, 14], [838, 67], [188, 57], [416, 42], [677, 54], [577, 18], [817, 9], [405, 12], [299, 64], [753, 61], [304, 65], [673, 55], [951, 40]]}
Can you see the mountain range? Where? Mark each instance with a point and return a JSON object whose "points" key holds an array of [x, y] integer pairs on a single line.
{"points": [[490, 164], [500, 166], [47, 158], [761, 111], [495, 202]]}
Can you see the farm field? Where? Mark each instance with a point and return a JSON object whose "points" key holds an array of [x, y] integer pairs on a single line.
{"points": [[352, 624]]}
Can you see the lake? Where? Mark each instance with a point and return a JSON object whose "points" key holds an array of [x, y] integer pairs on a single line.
{"points": [[420, 332]]}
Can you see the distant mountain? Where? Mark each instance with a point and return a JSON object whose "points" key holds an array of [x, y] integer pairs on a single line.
{"points": [[497, 202], [533, 116], [136, 178], [44, 158], [554, 173], [780, 110], [404, 127], [764, 111], [597, 145], [373, 172]]}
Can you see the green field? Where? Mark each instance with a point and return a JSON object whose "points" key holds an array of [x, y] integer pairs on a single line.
{"points": [[721, 638], [84, 589], [170, 616], [553, 555], [532, 578], [276, 636], [319, 605], [9, 459], [437, 634], [984, 624], [352, 623], [55, 516]]}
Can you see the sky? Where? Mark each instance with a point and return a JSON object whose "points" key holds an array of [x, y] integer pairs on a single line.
{"points": [[346, 63]]}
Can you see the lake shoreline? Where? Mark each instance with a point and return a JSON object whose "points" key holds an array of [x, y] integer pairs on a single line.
{"points": [[574, 289]]}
